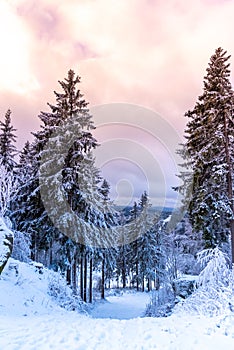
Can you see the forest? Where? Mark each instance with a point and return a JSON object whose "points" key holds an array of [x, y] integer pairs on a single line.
{"points": [[56, 209]]}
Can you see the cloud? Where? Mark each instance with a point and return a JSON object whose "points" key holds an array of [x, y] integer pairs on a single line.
{"points": [[152, 53], [148, 52]]}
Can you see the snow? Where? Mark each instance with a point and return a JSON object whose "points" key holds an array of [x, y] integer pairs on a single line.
{"points": [[30, 319], [126, 306], [24, 290], [5, 233]]}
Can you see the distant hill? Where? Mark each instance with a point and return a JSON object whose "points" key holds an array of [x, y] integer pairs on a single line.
{"points": [[165, 212]]}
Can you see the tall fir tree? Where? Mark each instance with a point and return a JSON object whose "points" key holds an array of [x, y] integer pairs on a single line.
{"points": [[209, 152], [7, 143], [68, 129]]}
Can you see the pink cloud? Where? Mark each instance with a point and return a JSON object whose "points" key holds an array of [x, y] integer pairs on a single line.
{"points": [[152, 53]]}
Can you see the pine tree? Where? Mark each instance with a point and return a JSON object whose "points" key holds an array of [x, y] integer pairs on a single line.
{"points": [[105, 190], [7, 143], [146, 244], [27, 214], [67, 159], [107, 255], [122, 257], [7, 186], [68, 124], [134, 246], [209, 151]]}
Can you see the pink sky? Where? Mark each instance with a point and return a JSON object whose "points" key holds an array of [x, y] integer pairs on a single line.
{"points": [[148, 52]]}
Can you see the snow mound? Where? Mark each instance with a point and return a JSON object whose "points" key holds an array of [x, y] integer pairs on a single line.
{"points": [[6, 242], [31, 289]]}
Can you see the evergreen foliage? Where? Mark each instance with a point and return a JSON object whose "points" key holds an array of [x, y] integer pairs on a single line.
{"points": [[209, 152], [7, 143]]}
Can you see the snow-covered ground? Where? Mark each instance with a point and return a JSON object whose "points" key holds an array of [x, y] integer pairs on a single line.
{"points": [[123, 307], [31, 319]]}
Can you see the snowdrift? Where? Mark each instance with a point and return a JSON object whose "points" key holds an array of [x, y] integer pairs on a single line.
{"points": [[31, 289]]}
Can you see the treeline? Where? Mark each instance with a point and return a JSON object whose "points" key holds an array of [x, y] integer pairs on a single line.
{"points": [[60, 160], [60, 208]]}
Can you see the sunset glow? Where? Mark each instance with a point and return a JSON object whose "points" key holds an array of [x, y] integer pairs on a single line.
{"points": [[152, 53], [149, 53]]}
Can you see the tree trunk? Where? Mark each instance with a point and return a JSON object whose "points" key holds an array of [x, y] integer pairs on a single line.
{"points": [[85, 278], [81, 278], [229, 182], [143, 284], [124, 277], [124, 269], [34, 248], [103, 279], [51, 252], [91, 280], [74, 274], [137, 277], [68, 275], [149, 285], [156, 282]]}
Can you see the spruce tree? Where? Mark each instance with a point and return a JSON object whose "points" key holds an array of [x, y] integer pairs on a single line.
{"points": [[68, 122], [209, 151], [7, 143], [68, 161], [146, 243], [105, 190], [135, 246], [7, 185]]}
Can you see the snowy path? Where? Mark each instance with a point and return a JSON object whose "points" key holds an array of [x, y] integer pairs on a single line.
{"points": [[124, 307], [69, 331]]}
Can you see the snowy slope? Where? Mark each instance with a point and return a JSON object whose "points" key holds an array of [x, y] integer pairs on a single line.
{"points": [[25, 290], [32, 319]]}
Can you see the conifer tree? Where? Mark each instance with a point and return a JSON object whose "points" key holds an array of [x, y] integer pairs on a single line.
{"points": [[105, 190], [209, 152], [7, 143], [134, 246], [7, 185], [68, 122], [146, 244]]}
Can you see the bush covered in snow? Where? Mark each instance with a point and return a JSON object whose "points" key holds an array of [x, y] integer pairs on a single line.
{"points": [[162, 302], [214, 294], [184, 286], [21, 247], [62, 294]]}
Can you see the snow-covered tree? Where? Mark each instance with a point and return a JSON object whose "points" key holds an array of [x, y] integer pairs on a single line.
{"points": [[105, 190], [134, 213], [181, 245], [214, 288], [6, 243], [145, 250], [7, 190], [67, 171], [209, 152], [7, 143], [26, 213]]}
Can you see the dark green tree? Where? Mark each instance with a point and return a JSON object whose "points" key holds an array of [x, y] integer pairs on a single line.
{"points": [[209, 152]]}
